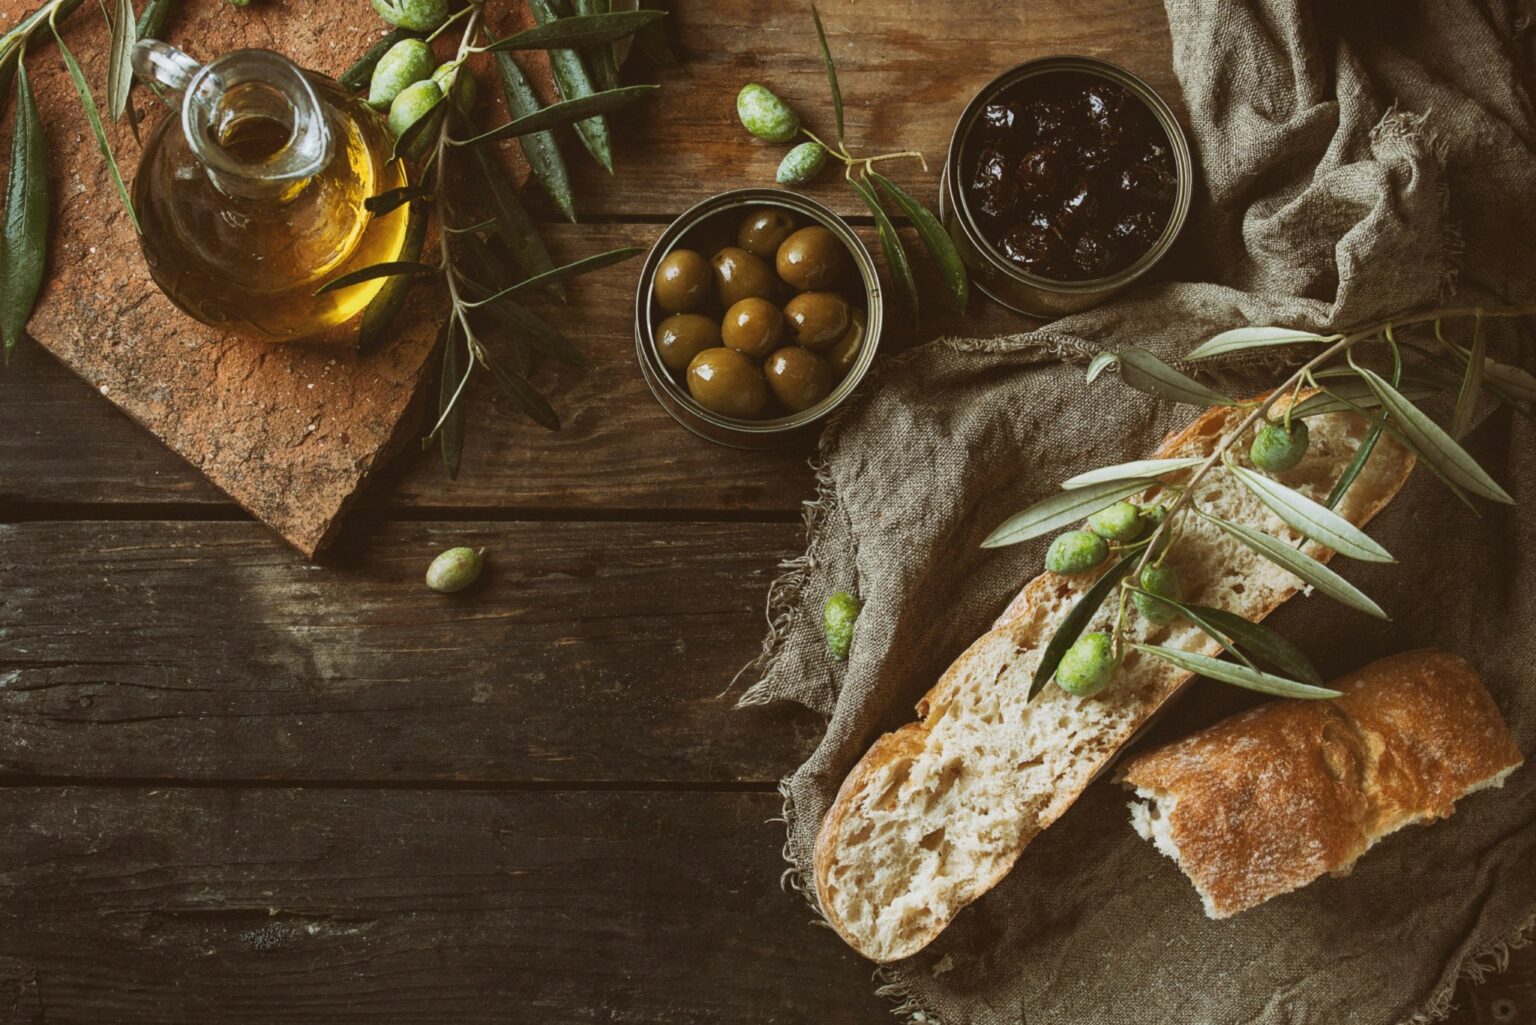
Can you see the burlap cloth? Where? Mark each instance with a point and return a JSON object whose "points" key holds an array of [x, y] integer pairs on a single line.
{"points": [[1356, 159]]}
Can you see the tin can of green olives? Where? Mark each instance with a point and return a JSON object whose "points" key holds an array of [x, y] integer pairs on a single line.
{"points": [[1067, 179], [712, 229]]}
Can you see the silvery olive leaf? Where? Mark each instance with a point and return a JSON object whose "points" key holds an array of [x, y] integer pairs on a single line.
{"points": [[1516, 382], [1257, 639], [1146, 373], [1316, 521], [577, 31], [1298, 562], [1241, 676], [1471, 384], [562, 113], [1353, 394], [826, 59], [1432, 444], [1138, 468], [1062, 510], [1102, 362], [1240, 338]]}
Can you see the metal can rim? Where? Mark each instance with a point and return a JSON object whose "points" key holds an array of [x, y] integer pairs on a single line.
{"points": [[1183, 168], [674, 399]]}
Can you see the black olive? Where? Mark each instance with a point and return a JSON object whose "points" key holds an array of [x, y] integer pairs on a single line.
{"points": [[1036, 250], [1093, 255], [1078, 207], [998, 117], [993, 184], [1040, 171]]}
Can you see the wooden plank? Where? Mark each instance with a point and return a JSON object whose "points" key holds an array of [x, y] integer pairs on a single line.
{"points": [[60, 443], [278, 907], [906, 70], [337, 906], [588, 652]]}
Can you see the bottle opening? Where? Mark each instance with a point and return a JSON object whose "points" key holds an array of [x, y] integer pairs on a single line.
{"points": [[254, 123]]}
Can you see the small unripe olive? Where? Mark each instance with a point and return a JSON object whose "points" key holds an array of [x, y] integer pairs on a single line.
{"points": [[1160, 580], [406, 63], [415, 102], [455, 569], [1087, 666], [458, 84], [416, 15], [1275, 451], [1076, 551], [801, 164], [765, 115], [1119, 522], [837, 622]]}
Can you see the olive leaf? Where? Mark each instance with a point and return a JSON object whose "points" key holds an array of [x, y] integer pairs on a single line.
{"points": [[120, 59], [574, 32], [540, 148], [935, 239], [1519, 385], [1102, 362], [1367, 444], [652, 39], [93, 116], [1063, 509], [151, 23], [1076, 621], [8, 61], [1356, 395], [1187, 611], [512, 221], [1256, 639], [1146, 373], [522, 394], [1241, 676], [604, 63], [890, 245], [384, 202], [1471, 384], [563, 113], [387, 303], [574, 83], [450, 389], [356, 76], [1139, 468], [563, 273], [1299, 563], [390, 269], [1430, 442], [1313, 519], [24, 233], [1241, 338], [826, 58]]}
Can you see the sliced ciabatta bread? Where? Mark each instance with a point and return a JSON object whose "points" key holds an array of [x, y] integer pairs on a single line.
{"points": [[1268, 800], [937, 812]]}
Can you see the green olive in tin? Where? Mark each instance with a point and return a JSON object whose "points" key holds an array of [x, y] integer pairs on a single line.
{"points": [[817, 320], [683, 282], [799, 378], [683, 336], [740, 275], [812, 259], [753, 326], [764, 229], [726, 382]]}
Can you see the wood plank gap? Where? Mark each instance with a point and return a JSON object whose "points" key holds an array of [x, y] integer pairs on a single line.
{"points": [[139, 512]]}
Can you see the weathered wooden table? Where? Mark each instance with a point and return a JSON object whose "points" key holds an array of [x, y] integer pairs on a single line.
{"points": [[243, 788]]}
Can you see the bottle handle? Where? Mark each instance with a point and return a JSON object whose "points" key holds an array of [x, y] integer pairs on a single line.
{"points": [[164, 69]]}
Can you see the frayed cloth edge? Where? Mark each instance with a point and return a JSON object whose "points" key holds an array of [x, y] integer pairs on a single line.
{"points": [[1476, 968]]}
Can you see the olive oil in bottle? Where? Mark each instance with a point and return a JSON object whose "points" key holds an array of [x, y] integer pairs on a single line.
{"points": [[252, 198]]}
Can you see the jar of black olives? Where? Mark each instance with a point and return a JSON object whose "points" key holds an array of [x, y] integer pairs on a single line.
{"points": [[1067, 179], [758, 312]]}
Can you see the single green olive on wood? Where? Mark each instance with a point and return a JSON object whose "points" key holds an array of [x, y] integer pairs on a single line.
{"points": [[765, 115], [799, 378], [740, 275], [726, 382], [1076, 551], [753, 326], [1087, 666], [837, 622], [683, 282], [683, 336], [1275, 450], [455, 569], [817, 320], [764, 229], [812, 259]]}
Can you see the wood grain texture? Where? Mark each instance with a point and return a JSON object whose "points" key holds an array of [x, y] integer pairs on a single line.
{"points": [[272, 907], [587, 652]]}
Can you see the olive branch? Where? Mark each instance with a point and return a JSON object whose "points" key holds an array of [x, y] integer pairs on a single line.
{"points": [[1140, 537]]}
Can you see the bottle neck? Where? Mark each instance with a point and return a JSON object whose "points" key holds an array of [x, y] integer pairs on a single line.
{"points": [[251, 116]]}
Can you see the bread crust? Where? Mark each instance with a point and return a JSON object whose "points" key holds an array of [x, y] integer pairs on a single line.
{"points": [[1268, 800], [904, 742]]}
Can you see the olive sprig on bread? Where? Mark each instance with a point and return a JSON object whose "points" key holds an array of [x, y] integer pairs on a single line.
{"points": [[1221, 529]]}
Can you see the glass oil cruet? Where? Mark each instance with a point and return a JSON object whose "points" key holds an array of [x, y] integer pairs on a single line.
{"points": [[253, 198]]}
